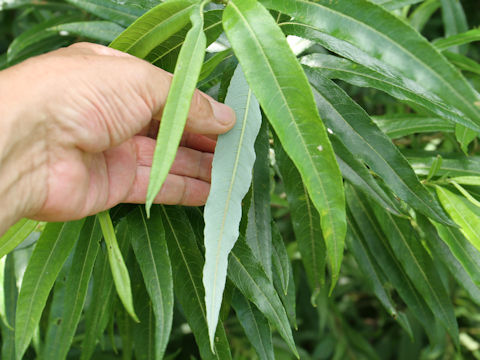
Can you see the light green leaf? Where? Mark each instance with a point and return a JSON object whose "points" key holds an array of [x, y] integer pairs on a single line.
{"points": [[154, 27], [187, 264], [465, 193], [374, 275], [51, 252], [210, 65], [420, 268], [423, 13], [399, 87], [462, 62], [255, 325], [177, 105], [282, 89], [395, 4], [150, 247], [104, 31], [76, 288], [352, 125], [464, 136], [458, 39], [15, 235], [455, 22], [10, 292], [397, 126], [466, 180], [248, 276], [462, 213], [122, 14], [460, 166], [437, 164], [259, 232], [364, 32], [231, 176], [305, 221]]}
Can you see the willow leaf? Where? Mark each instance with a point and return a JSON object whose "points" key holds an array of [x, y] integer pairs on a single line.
{"points": [[51, 252], [305, 221], [462, 213], [231, 176], [177, 105], [401, 88], [462, 62], [122, 14], [420, 16], [105, 31], [282, 89], [374, 275], [259, 231], [255, 325], [464, 136], [10, 293], [420, 268], [187, 281], [459, 166], [150, 247], [117, 264], [402, 125], [247, 274], [76, 287], [458, 39], [352, 125], [454, 21], [396, 46], [15, 235], [154, 27]]}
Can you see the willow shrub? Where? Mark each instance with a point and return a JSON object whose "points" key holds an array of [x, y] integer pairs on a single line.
{"points": [[355, 142]]}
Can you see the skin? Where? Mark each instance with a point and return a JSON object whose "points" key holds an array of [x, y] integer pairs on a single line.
{"points": [[77, 135]]}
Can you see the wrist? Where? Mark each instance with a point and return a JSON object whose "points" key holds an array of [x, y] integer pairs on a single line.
{"points": [[21, 154]]}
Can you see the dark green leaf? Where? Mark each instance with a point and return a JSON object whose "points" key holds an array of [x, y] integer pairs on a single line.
{"points": [[10, 292], [403, 125]]}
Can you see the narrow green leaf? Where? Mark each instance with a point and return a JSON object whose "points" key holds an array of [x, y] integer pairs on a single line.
{"points": [[305, 221], [399, 87], [460, 166], [187, 264], [154, 27], [51, 252], [231, 176], [122, 14], [442, 251], [402, 125], [105, 31], [117, 264], [280, 258], [126, 329], [360, 135], [462, 62], [101, 304], [255, 325], [76, 289], [249, 277], [10, 292], [15, 235], [465, 193], [177, 105], [282, 89], [357, 174], [462, 213], [373, 275], [390, 44], [386, 258], [150, 247], [458, 39], [419, 267], [210, 65], [466, 180], [464, 136], [423, 13], [455, 22], [259, 232], [437, 164]]}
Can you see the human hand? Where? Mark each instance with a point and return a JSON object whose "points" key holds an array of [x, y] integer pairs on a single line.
{"points": [[77, 136]]}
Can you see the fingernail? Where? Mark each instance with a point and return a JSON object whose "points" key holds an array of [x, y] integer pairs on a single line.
{"points": [[224, 114]]}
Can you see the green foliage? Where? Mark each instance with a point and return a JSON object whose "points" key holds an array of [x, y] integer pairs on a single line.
{"points": [[344, 203]]}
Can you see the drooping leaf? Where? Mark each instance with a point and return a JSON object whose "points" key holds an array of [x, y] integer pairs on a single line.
{"points": [[462, 62], [248, 276], [187, 264], [423, 13], [259, 232], [76, 286], [374, 275], [51, 252], [176, 108], [210, 65], [154, 27], [283, 91], [120, 274], [10, 292], [463, 213], [122, 14], [255, 325], [15, 235], [403, 125], [399, 87], [305, 221], [150, 247], [455, 22], [231, 176], [104, 31], [388, 43], [418, 265], [352, 125]]}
